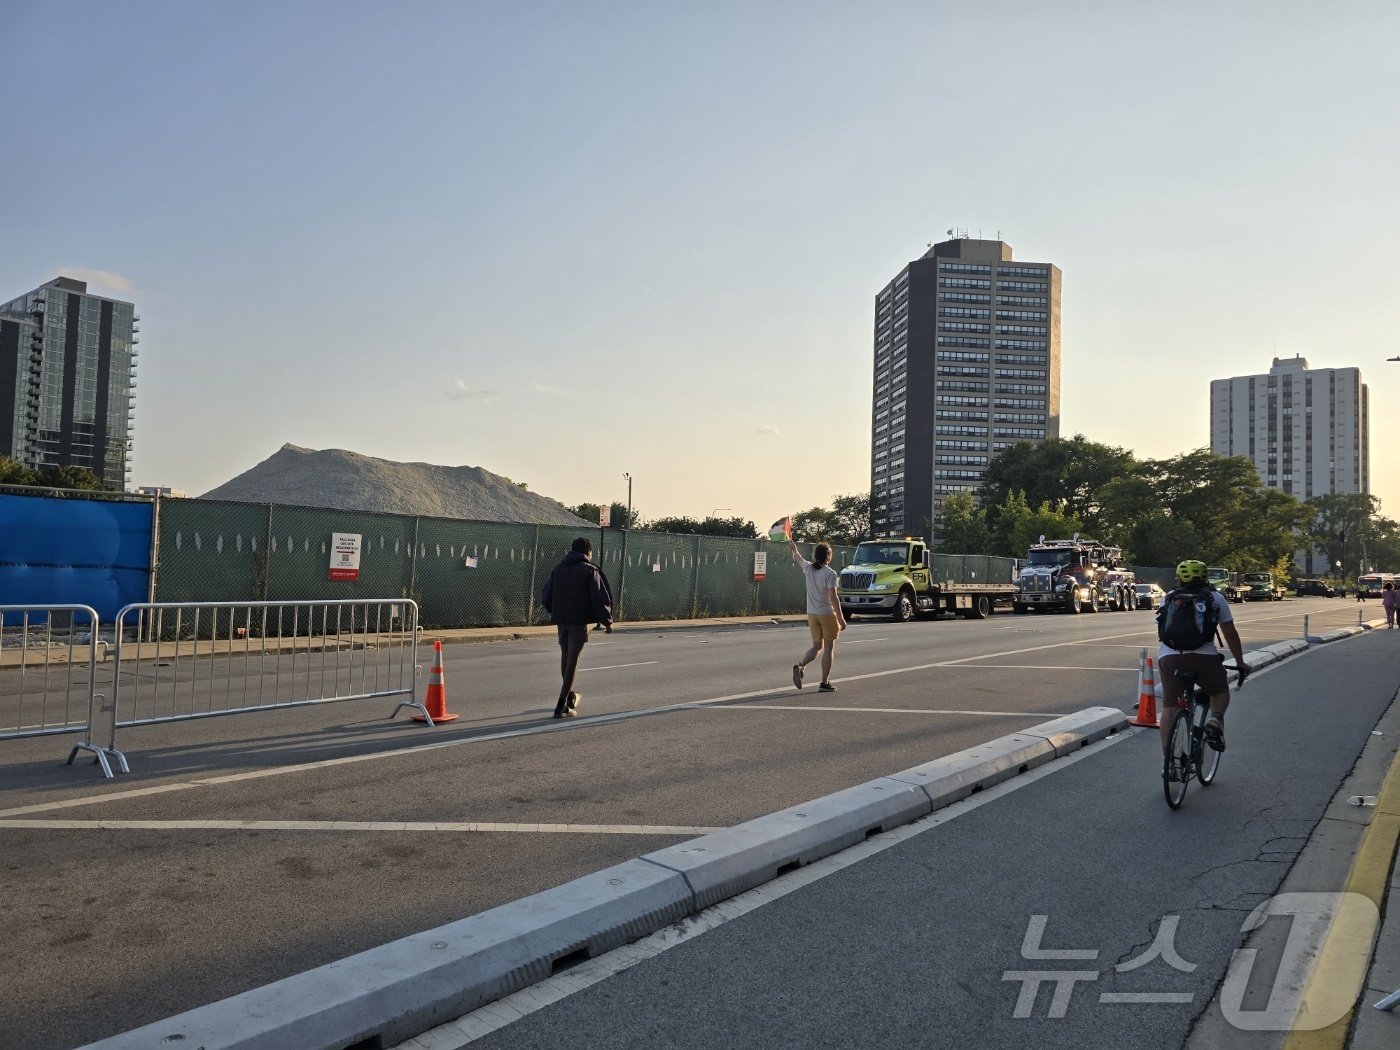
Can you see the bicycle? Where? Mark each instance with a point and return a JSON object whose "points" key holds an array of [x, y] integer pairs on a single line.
{"points": [[1186, 754]]}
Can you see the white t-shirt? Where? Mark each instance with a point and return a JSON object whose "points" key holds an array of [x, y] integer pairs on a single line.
{"points": [[1223, 615], [820, 583]]}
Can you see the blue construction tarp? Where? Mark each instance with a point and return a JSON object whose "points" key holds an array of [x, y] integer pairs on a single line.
{"points": [[74, 552]]}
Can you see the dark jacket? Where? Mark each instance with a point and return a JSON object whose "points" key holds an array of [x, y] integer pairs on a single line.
{"points": [[577, 592]]}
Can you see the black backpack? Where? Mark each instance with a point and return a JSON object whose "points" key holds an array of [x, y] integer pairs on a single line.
{"points": [[1187, 619]]}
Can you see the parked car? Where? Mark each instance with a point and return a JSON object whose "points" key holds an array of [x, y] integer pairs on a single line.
{"points": [[1320, 588], [1149, 595]]}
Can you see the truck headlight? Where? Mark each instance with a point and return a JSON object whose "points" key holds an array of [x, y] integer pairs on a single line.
{"points": [[881, 586]]}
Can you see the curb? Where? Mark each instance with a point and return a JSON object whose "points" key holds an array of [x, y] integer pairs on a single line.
{"points": [[388, 994]]}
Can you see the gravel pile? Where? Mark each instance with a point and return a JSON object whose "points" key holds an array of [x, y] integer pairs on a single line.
{"points": [[344, 480]]}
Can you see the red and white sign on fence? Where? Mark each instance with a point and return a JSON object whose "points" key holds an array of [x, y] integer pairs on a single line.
{"points": [[345, 556]]}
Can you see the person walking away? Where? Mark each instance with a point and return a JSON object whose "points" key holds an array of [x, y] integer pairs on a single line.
{"points": [[575, 595], [824, 617], [1187, 623], [1390, 597]]}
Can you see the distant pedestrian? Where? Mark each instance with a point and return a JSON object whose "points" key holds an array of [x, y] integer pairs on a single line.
{"points": [[575, 595], [824, 617], [1360, 594], [1390, 598]]}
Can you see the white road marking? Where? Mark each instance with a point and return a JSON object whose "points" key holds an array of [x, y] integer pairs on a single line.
{"points": [[548, 727], [1038, 667], [495, 1016], [872, 710], [614, 667], [357, 825], [857, 641]]}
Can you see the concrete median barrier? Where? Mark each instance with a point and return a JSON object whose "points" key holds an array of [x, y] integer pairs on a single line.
{"points": [[391, 993]]}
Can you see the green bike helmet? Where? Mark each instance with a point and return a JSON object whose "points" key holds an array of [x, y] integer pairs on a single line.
{"points": [[1189, 572]]}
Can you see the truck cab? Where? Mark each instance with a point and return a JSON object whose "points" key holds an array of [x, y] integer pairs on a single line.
{"points": [[1259, 587], [1074, 575], [885, 576], [1226, 582]]}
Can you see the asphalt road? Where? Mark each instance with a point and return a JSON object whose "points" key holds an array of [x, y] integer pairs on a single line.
{"points": [[928, 943], [144, 908]]}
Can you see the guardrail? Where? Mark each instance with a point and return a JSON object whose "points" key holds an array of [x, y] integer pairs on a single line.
{"points": [[181, 660], [56, 669]]}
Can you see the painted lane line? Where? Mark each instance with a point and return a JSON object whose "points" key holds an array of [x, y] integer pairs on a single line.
{"points": [[510, 734], [874, 711], [355, 825], [614, 667], [858, 641], [1039, 667], [497, 1015]]}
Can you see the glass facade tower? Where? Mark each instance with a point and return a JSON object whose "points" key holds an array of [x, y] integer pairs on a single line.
{"points": [[68, 380]]}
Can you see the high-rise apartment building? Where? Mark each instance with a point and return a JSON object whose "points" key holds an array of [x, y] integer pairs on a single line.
{"points": [[967, 362], [1306, 430], [67, 380]]}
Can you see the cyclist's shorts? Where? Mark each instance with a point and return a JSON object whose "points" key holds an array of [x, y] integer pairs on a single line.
{"points": [[1209, 668]]}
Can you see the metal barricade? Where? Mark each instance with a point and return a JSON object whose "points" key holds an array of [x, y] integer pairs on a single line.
{"points": [[181, 660], [48, 664]]}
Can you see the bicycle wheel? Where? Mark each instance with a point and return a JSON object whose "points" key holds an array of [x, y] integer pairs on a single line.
{"points": [[1176, 760], [1207, 758]]}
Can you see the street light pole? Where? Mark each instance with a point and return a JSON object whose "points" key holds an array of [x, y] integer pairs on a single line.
{"points": [[628, 523]]}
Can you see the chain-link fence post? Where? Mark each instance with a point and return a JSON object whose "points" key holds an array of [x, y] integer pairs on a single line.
{"points": [[620, 612], [695, 581], [413, 566], [534, 563]]}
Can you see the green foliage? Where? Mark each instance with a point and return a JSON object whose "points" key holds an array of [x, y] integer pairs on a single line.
{"points": [[964, 529], [1344, 526], [1197, 505], [13, 473], [1018, 525], [710, 526], [844, 524], [1066, 472], [617, 512]]}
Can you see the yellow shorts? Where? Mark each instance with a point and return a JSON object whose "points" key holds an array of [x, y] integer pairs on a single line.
{"points": [[823, 628]]}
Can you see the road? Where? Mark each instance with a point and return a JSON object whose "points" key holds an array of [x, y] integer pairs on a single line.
{"points": [[354, 831]]}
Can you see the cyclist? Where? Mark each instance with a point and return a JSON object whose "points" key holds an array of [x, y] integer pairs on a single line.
{"points": [[1204, 659]]}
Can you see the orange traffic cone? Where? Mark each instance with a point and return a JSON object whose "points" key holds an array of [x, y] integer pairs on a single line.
{"points": [[1147, 697], [436, 700]]}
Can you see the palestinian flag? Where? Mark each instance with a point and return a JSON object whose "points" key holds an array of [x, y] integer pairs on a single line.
{"points": [[780, 531]]}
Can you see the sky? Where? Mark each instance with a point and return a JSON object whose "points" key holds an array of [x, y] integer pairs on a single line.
{"points": [[572, 241]]}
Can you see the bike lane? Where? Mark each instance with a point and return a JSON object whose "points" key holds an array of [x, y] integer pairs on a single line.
{"points": [[1067, 907]]}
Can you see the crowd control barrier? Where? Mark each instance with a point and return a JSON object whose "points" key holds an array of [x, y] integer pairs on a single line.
{"points": [[54, 650], [181, 660]]}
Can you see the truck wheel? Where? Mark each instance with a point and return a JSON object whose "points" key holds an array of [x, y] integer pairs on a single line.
{"points": [[1074, 604], [904, 606], [982, 609], [1093, 601]]}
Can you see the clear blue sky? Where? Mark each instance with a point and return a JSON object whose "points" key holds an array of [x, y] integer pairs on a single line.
{"points": [[564, 241]]}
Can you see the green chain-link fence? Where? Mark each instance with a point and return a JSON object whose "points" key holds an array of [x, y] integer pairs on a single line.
{"points": [[461, 573]]}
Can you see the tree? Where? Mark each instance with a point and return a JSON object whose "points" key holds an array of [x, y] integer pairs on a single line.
{"points": [[845, 524], [710, 526], [14, 473], [1066, 472], [964, 529], [1018, 526], [617, 513], [1342, 525], [849, 522]]}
